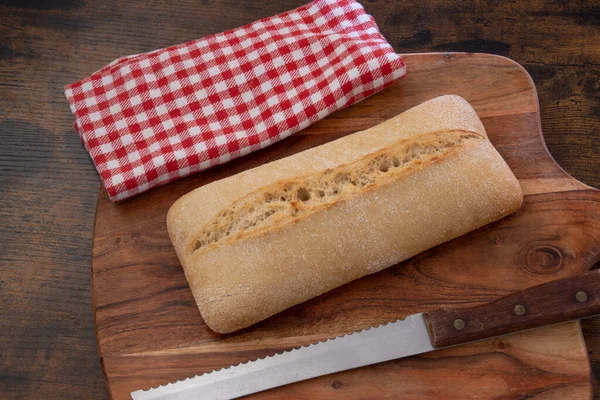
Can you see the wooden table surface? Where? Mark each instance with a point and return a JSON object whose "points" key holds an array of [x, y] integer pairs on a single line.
{"points": [[48, 186]]}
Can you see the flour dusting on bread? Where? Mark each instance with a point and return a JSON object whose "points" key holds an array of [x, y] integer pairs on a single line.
{"points": [[258, 242]]}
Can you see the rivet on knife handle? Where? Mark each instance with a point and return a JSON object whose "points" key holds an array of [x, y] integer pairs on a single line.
{"points": [[550, 303]]}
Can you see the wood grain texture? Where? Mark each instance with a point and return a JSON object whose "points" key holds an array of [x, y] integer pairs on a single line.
{"points": [[48, 185], [149, 329], [550, 303]]}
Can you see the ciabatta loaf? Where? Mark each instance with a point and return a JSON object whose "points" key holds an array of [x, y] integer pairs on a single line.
{"points": [[268, 238]]}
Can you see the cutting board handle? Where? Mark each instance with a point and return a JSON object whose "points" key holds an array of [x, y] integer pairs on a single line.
{"points": [[558, 301]]}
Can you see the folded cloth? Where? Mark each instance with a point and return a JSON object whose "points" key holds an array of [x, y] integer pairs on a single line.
{"points": [[151, 118]]}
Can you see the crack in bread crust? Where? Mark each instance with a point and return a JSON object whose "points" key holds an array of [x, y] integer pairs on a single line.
{"points": [[285, 202]]}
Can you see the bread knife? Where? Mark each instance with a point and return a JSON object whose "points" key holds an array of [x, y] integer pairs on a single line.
{"points": [[547, 304]]}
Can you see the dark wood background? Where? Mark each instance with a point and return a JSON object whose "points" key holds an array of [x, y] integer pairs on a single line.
{"points": [[48, 186]]}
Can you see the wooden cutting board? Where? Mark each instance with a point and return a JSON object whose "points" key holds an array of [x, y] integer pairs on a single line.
{"points": [[150, 332]]}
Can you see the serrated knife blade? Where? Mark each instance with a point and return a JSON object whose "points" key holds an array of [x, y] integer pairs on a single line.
{"points": [[373, 345], [550, 303]]}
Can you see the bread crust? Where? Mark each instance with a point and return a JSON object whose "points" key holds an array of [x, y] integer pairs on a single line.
{"points": [[241, 279]]}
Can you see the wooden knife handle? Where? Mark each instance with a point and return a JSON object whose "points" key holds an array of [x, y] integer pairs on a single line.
{"points": [[550, 303]]}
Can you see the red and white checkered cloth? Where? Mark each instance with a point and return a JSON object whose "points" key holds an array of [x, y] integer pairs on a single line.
{"points": [[151, 118]]}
